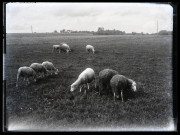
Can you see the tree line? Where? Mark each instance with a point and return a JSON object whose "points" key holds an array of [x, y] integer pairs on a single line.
{"points": [[102, 31]]}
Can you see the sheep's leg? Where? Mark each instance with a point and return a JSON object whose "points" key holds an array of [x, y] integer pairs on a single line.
{"points": [[51, 71], [114, 97], [100, 87], [80, 88], [122, 96], [47, 73], [34, 78], [39, 75], [85, 92], [88, 85], [95, 83], [27, 81], [17, 80], [42, 74]]}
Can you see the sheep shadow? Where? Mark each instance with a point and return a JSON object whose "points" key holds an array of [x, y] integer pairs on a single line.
{"points": [[128, 95], [45, 79]]}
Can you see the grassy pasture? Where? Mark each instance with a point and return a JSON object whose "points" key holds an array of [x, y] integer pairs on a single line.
{"points": [[45, 105]]}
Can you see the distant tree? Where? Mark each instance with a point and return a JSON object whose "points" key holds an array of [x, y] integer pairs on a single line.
{"points": [[102, 31], [170, 32], [62, 31], [163, 32], [55, 31]]}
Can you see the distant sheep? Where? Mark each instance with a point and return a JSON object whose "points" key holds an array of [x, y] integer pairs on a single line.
{"points": [[86, 77], [121, 84], [39, 69], [56, 47], [104, 79], [90, 48], [26, 73], [65, 47], [50, 67]]}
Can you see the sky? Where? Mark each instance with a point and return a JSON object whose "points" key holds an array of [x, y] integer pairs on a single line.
{"points": [[128, 17]]}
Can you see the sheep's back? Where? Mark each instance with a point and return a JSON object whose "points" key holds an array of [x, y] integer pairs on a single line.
{"points": [[48, 65], [26, 71], [87, 75], [119, 82], [106, 75]]}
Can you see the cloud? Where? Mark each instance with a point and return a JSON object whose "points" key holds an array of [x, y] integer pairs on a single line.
{"points": [[46, 17]]}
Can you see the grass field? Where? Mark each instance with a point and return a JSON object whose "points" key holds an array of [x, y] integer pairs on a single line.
{"points": [[45, 105]]}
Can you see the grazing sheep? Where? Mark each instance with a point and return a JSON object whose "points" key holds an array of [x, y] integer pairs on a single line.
{"points": [[86, 77], [26, 73], [50, 67], [104, 79], [90, 48], [39, 69], [65, 47], [56, 47], [121, 84]]}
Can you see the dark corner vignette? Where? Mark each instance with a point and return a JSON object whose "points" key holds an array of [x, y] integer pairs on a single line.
{"points": [[4, 126], [174, 65], [4, 27], [174, 70], [3, 51]]}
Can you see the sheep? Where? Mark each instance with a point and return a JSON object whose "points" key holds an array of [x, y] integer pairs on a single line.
{"points": [[56, 47], [90, 48], [65, 47], [26, 73], [86, 77], [104, 79], [50, 67], [39, 68], [122, 84]]}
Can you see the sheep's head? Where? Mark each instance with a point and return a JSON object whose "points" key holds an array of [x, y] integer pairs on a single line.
{"points": [[56, 72], [133, 85], [73, 87]]}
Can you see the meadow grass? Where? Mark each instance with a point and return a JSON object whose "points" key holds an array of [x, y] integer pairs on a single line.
{"points": [[46, 104]]}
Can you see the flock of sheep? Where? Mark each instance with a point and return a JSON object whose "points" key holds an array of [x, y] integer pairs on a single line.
{"points": [[64, 47], [109, 80], [33, 71]]}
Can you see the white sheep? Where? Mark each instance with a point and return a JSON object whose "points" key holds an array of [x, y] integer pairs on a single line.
{"points": [[50, 67], [104, 79], [65, 47], [39, 69], [121, 84], [90, 48], [56, 47], [26, 73], [86, 77]]}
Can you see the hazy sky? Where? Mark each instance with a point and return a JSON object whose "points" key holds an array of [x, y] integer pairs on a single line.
{"points": [[128, 17]]}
